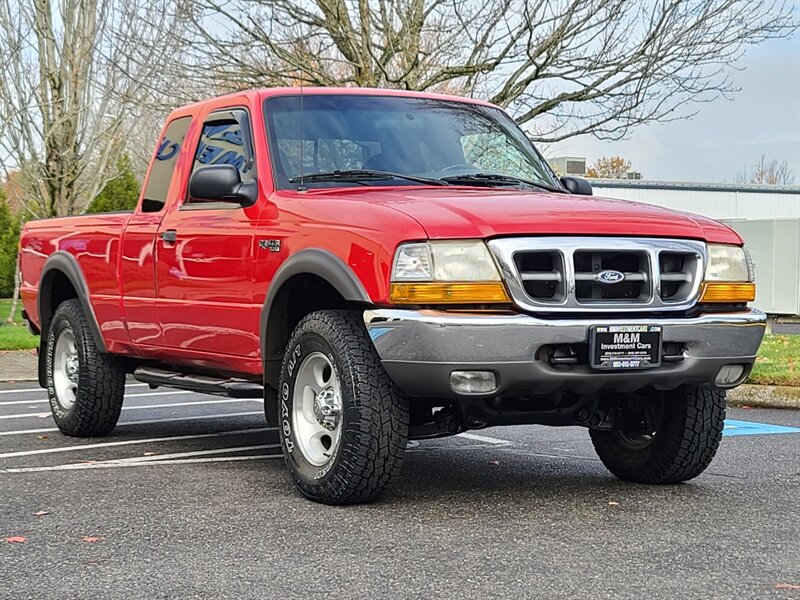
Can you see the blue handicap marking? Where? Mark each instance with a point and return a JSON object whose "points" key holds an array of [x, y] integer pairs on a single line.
{"points": [[733, 427]]}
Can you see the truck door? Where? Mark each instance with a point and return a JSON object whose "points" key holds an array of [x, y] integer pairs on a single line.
{"points": [[206, 298], [137, 270]]}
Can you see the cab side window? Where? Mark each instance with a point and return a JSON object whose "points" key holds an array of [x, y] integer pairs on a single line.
{"points": [[222, 142], [225, 140], [167, 152]]}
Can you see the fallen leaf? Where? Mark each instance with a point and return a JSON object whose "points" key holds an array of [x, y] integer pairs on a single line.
{"points": [[494, 461], [41, 513], [89, 539], [612, 503], [16, 539], [787, 586]]}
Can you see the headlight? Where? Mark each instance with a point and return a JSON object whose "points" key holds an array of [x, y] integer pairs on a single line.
{"points": [[446, 272], [444, 261], [727, 263], [729, 276]]}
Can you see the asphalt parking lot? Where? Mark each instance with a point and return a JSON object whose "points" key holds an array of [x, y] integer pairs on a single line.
{"points": [[188, 498]]}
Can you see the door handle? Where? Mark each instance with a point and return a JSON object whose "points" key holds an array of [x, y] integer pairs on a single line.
{"points": [[170, 236]]}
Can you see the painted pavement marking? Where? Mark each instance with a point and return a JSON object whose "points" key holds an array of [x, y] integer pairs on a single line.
{"points": [[147, 422], [45, 400], [118, 464], [156, 440], [734, 427], [44, 415]]}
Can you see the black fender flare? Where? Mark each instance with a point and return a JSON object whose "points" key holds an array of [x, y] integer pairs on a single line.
{"points": [[66, 264], [312, 261]]}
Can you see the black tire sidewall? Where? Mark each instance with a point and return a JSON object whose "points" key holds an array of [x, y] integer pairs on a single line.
{"points": [[101, 379], [60, 323], [311, 478]]}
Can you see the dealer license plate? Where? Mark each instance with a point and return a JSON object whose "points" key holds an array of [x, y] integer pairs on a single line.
{"points": [[622, 347]]}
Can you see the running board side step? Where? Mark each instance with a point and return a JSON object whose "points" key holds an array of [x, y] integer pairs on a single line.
{"points": [[233, 388]]}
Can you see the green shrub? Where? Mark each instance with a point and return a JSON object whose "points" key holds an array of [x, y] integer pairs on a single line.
{"points": [[9, 246], [121, 193]]}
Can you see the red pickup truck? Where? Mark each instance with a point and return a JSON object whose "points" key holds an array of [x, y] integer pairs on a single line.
{"points": [[379, 266]]}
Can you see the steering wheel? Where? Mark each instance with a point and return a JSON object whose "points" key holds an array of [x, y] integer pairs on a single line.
{"points": [[457, 166]]}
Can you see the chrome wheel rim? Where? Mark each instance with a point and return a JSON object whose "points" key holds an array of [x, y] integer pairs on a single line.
{"points": [[316, 409], [65, 369]]}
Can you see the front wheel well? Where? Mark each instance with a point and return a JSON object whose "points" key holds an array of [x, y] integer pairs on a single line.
{"points": [[297, 297]]}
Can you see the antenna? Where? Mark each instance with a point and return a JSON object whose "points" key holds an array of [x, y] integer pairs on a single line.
{"points": [[302, 187]]}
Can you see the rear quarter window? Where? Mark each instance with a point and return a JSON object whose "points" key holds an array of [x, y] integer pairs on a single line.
{"points": [[167, 152]]}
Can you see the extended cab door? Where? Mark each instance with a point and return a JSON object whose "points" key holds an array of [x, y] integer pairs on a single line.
{"points": [[206, 297], [137, 270]]}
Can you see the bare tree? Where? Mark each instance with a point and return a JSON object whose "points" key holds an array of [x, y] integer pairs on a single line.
{"points": [[771, 172], [564, 67], [75, 78]]}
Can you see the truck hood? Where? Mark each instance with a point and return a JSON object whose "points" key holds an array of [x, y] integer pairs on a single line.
{"points": [[484, 213]]}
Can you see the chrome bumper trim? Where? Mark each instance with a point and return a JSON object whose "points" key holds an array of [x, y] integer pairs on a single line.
{"points": [[419, 349]]}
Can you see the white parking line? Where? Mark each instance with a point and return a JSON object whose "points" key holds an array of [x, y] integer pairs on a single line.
{"points": [[117, 464], [146, 422], [197, 403], [10, 402], [194, 453], [157, 440], [484, 438], [38, 389]]}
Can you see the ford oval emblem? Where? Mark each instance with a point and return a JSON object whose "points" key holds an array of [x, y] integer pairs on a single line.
{"points": [[610, 276]]}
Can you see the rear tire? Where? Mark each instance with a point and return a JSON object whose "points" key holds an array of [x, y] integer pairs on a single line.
{"points": [[681, 447], [84, 386], [343, 423]]}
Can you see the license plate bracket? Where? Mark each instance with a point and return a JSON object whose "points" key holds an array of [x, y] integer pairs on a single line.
{"points": [[625, 347]]}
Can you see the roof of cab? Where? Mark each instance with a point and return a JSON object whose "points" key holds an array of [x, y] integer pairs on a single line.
{"points": [[264, 93]]}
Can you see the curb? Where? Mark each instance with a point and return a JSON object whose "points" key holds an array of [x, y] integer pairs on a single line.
{"points": [[18, 365], [765, 396]]}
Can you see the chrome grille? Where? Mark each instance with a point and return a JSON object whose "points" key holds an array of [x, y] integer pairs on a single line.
{"points": [[542, 274], [634, 266], [571, 273]]}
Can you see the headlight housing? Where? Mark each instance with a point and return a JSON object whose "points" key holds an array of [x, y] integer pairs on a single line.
{"points": [[446, 272], [727, 263], [729, 275]]}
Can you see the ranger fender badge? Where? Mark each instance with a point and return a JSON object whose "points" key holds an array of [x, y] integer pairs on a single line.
{"points": [[271, 245]]}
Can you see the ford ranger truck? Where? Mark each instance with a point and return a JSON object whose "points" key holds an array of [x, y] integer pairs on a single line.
{"points": [[381, 266]]}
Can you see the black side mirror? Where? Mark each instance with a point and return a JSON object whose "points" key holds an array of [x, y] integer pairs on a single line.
{"points": [[222, 183], [576, 185]]}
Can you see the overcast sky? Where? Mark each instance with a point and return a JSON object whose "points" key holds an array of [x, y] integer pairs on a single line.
{"points": [[727, 135]]}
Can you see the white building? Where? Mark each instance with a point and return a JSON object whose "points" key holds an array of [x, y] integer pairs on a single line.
{"points": [[766, 216], [715, 200]]}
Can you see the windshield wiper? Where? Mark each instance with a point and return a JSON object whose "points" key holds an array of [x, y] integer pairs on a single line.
{"points": [[497, 179], [359, 175]]}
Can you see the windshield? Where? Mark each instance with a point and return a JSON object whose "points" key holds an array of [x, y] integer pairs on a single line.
{"points": [[430, 138]]}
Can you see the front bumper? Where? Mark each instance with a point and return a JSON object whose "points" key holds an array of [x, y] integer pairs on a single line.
{"points": [[420, 349]]}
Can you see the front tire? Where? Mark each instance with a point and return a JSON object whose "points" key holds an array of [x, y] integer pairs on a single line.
{"points": [[680, 448], [343, 423], [84, 386]]}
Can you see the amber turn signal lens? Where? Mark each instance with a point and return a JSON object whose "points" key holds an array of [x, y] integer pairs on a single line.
{"points": [[728, 292], [427, 292]]}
